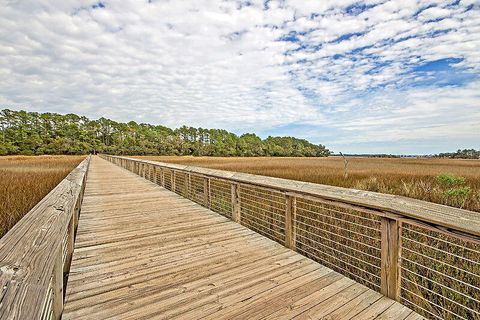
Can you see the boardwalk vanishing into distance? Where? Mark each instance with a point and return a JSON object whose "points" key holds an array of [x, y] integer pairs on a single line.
{"points": [[143, 252], [123, 238]]}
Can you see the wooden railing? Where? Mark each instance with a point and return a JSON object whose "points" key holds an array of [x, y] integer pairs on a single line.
{"points": [[35, 254], [425, 255]]}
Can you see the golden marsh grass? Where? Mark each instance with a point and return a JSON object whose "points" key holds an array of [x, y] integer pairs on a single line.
{"points": [[25, 180]]}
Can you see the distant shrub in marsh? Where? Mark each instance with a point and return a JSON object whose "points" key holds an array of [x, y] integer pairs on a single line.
{"points": [[457, 196], [450, 179], [459, 192]]}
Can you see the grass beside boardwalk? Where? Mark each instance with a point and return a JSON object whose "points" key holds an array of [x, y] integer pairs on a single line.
{"points": [[25, 180], [451, 182]]}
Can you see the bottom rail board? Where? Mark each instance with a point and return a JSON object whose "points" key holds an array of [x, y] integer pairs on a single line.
{"points": [[143, 252]]}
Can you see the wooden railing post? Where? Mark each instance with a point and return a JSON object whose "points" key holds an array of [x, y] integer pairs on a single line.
{"points": [[57, 284], [70, 243], [391, 258], [209, 193], [76, 213], [290, 212], [205, 191], [162, 177], [155, 178], [173, 180], [236, 215]]}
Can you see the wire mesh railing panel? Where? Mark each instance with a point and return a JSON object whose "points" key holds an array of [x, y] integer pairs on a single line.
{"points": [[181, 183], [167, 179], [263, 211], [346, 240], [196, 190], [221, 197], [440, 274]]}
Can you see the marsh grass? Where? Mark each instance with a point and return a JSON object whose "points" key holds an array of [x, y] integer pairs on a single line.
{"points": [[25, 180], [452, 182]]}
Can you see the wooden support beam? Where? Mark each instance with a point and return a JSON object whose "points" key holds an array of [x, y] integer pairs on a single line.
{"points": [[236, 215], [76, 212], [391, 258], [209, 194], [290, 212], [57, 284], [70, 243], [205, 191]]}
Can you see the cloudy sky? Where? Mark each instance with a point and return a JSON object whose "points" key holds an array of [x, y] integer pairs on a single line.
{"points": [[372, 76]]}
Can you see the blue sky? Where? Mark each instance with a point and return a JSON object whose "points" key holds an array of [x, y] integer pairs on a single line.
{"points": [[360, 77]]}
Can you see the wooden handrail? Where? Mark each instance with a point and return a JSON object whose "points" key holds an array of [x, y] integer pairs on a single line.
{"points": [[393, 244], [36, 253]]}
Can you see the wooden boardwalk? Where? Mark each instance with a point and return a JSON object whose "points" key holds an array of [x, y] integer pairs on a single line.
{"points": [[143, 252]]}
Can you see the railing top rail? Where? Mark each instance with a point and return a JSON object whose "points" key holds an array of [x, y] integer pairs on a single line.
{"points": [[454, 219], [27, 251]]}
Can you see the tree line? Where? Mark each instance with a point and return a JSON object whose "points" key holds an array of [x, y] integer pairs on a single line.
{"points": [[32, 133], [461, 154]]}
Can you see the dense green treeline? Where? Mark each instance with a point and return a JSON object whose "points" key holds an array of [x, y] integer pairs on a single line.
{"points": [[32, 133], [461, 154]]}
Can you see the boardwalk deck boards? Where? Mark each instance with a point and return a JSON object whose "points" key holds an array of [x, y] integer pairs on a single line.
{"points": [[142, 252]]}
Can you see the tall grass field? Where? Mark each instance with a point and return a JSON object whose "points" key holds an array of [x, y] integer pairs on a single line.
{"points": [[25, 180], [451, 182]]}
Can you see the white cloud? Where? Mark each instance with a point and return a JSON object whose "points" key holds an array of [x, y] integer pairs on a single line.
{"points": [[222, 64]]}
